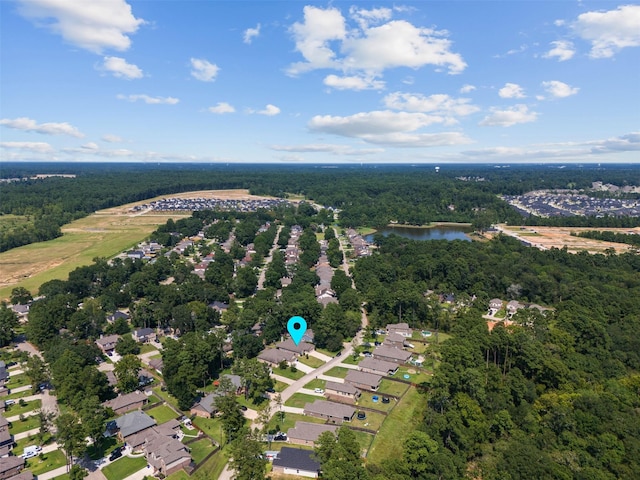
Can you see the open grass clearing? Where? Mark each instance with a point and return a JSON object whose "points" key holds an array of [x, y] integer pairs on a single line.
{"points": [[312, 362], [279, 386], [416, 375], [299, 400], [179, 475], [124, 467], [316, 383], [20, 426], [17, 381], [166, 397], [213, 467], [366, 400], [287, 373], [283, 424], [364, 439], [351, 360], [211, 427], [147, 347], [372, 422], [162, 414], [17, 409], [46, 462], [338, 372], [402, 420], [200, 449], [392, 388]]}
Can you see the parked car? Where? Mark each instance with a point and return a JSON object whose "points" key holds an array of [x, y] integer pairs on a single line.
{"points": [[117, 453], [9, 402], [367, 354], [338, 354], [318, 390], [31, 451], [243, 408], [271, 390], [280, 437]]}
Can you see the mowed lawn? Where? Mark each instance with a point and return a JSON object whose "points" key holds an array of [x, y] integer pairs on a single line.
{"points": [[104, 234], [124, 467], [402, 420], [299, 400], [162, 414]]}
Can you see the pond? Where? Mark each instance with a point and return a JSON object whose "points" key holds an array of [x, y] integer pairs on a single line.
{"points": [[440, 232]]}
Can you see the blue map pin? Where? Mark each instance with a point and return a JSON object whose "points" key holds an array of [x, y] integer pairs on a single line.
{"points": [[296, 327]]}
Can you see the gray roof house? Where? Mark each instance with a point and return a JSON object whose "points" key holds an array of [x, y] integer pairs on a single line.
{"points": [[401, 328], [366, 381], [132, 423], [206, 406], [273, 356], [125, 403], [4, 373], [10, 466], [379, 367], [341, 392], [156, 364], [390, 354], [395, 340], [332, 411], [290, 346], [165, 454], [294, 461], [144, 335], [107, 343], [306, 433]]}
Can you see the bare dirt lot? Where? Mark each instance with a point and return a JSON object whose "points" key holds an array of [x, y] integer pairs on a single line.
{"points": [[559, 237]]}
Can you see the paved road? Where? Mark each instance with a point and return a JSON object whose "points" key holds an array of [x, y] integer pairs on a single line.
{"points": [[267, 261]]}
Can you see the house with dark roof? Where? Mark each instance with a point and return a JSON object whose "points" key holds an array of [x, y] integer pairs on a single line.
{"points": [[363, 380], [126, 403], [10, 466], [294, 461], [390, 354], [341, 392], [379, 367], [144, 335], [395, 340], [116, 315], [331, 411], [107, 343], [4, 373], [273, 356], [290, 346], [206, 406], [166, 454], [306, 433], [6, 439], [132, 423]]}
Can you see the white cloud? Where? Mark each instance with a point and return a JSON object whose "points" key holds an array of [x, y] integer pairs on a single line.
{"points": [[353, 83], [559, 89], [326, 148], [203, 70], [91, 146], [563, 49], [511, 116], [368, 17], [269, 111], [324, 36], [148, 99], [609, 31], [251, 33], [91, 25], [387, 128], [467, 88], [439, 104], [29, 125], [120, 68], [111, 138], [36, 147], [511, 90], [222, 107]]}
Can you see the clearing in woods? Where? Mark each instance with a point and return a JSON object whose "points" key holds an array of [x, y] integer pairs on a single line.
{"points": [[105, 233]]}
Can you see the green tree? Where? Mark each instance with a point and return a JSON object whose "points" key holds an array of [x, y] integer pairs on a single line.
{"points": [[340, 456], [247, 460], [246, 281], [37, 372], [20, 296], [70, 436], [77, 472], [231, 417], [126, 371], [126, 345], [8, 324]]}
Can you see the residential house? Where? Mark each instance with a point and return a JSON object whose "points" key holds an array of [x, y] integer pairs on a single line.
{"points": [[167, 431], [126, 403], [156, 364], [135, 254], [495, 304], [331, 411], [306, 433], [10, 466], [111, 378], [391, 354], [6, 439], [107, 343], [379, 367], [363, 380], [235, 381], [3, 406], [166, 455], [4, 373], [273, 356], [116, 315], [220, 307], [400, 328], [294, 461], [133, 423], [22, 311], [205, 407], [308, 336], [23, 475], [341, 392], [326, 298], [144, 335], [290, 346], [395, 340], [513, 306]]}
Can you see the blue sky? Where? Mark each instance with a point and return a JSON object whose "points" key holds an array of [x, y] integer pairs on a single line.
{"points": [[331, 82]]}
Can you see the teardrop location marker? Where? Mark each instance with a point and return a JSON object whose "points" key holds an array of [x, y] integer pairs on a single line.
{"points": [[296, 327]]}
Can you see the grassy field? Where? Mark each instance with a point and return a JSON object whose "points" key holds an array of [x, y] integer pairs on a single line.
{"points": [[104, 234], [299, 400], [366, 400], [339, 372], [200, 449], [364, 439], [392, 388], [290, 420], [17, 381], [162, 414], [29, 424], [49, 461], [312, 362], [210, 426], [316, 383], [9, 222], [18, 409], [372, 422], [287, 373], [124, 467], [402, 420]]}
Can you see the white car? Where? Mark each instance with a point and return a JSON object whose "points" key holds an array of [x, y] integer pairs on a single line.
{"points": [[319, 390], [32, 451]]}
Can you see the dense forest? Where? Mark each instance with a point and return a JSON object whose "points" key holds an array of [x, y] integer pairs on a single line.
{"points": [[555, 395], [367, 196]]}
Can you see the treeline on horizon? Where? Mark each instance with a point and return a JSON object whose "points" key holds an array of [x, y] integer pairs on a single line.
{"points": [[367, 196]]}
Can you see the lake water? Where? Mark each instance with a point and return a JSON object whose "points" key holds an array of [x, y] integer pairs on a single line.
{"points": [[449, 232]]}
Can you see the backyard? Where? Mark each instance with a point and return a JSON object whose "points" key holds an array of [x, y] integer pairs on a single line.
{"points": [[162, 414], [124, 467]]}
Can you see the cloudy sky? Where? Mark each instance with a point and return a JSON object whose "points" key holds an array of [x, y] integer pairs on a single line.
{"points": [[332, 82]]}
